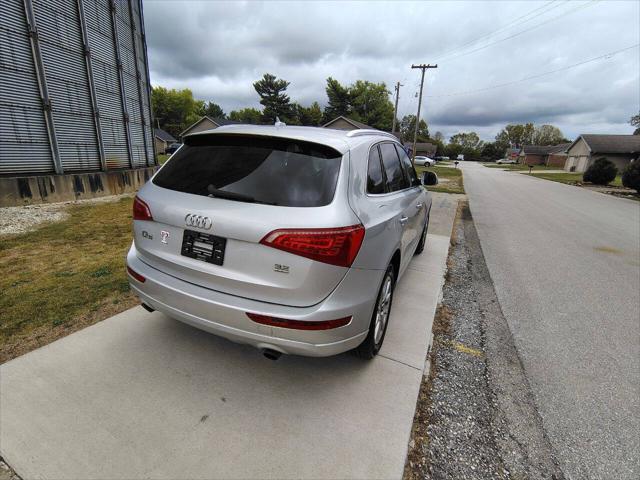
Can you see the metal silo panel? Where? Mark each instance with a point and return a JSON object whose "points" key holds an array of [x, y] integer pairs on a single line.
{"points": [[130, 83], [63, 56], [107, 82], [24, 141], [143, 79]]}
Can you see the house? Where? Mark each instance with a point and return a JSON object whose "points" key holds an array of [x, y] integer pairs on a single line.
{"points": [[512, 154], [543, 154], [162, 139], [532, 154], [618, 149], [344, 123], [557, 155], [207, 123], [422, 149]]}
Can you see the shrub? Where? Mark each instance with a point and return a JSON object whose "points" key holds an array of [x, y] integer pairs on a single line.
{"points": [[600, 172], [631, 176]]}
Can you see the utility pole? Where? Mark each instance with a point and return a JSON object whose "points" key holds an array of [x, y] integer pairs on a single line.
{"points": [[395, 109], [422, 67]]}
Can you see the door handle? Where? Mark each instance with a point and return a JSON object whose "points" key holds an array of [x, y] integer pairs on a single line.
{"points": [[403, 220], [418, 206]]}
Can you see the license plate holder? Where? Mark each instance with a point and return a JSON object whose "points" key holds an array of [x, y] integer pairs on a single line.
{"points": [[203, 246]]}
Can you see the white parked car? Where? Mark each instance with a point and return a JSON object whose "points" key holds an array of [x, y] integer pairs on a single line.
{"points": [[423, 161], [276, 236], [506, 161]]}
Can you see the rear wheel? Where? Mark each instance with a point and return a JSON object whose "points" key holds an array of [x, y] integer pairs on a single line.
{"points": [[380, 319], [423, 237]]}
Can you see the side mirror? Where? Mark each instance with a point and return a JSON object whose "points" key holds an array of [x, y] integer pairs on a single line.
{"points": [[429, 178]]}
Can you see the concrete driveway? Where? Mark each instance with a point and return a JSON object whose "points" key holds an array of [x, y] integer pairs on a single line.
{"points": [[565, 263], [142, 396]]}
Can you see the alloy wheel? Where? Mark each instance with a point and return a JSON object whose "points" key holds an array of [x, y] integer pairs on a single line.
{"points": [[382, 312]]}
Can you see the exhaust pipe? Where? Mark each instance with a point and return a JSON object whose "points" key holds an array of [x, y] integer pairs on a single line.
{"points": [[147, 308], [271, 354]]}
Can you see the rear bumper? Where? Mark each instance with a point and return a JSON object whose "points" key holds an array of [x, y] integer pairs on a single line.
{"points": [[225, 315]]}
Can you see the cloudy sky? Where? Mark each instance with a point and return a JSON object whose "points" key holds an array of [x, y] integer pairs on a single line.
{"points": [[218, 49]]}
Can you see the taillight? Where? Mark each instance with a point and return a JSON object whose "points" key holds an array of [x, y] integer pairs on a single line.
{"points": [[298, 324], [135, 274], [141, 210], [337, 246]]}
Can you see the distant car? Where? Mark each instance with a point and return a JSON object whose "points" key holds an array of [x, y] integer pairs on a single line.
{"points": [[506, 161], [172, 148], [460, 157], [423, 161]]}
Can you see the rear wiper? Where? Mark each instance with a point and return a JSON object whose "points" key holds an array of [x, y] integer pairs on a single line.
{"points": [[240, 197]]}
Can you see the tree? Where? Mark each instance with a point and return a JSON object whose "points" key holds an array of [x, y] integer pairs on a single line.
{"points": [[439, 137], [631, 175], [339, 100], [370, 104], [635, 122], [309, 116], [467, 143], [547, 135], [515, 136], [246, 115], [364, 101], [408, 126], [273, 98], [600, 172], [174, 109], [491, 151], [213, 110]]}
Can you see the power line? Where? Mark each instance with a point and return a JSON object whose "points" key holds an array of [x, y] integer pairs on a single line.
{"points": [[469, 92], [511, 24], [567, 12]]}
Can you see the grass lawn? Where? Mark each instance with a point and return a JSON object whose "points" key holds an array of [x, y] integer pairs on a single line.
{"points": [[519, 166], [572, 178], [453, 179], [163, 157], [64, 276]]}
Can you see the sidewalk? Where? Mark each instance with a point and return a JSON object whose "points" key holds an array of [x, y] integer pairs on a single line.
{"points": [[142, 396]]}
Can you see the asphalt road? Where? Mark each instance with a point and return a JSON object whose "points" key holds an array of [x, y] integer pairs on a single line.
{"points": [[140, 395], [566, 268]]}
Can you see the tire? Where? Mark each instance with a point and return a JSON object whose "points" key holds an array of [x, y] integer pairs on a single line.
{"points": [[379, 319], [423, 238]]}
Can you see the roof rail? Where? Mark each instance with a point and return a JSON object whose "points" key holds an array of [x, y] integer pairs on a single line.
{"points": [[361, 132]]}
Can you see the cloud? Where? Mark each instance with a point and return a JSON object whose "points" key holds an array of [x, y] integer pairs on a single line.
{"points": [[218, 49]]}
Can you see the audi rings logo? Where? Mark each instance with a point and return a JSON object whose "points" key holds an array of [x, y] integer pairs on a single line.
{"points": [[199, 221]]}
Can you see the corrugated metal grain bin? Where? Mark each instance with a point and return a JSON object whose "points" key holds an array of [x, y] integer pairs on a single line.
{"points": [[74, 87]]}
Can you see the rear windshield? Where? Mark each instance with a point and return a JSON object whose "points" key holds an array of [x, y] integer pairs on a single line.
{"points": [[269, 170]]}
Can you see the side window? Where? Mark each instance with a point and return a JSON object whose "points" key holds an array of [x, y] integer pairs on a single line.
{"points": [[375, 180], [408, 167], [395, 177]]}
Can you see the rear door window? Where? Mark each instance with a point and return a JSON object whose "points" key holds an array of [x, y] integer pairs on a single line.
{"points": [[409, 170], [395, 176], [375, 180], [258, 169]]}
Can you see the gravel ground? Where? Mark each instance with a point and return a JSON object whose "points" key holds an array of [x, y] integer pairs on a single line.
{"points": [[15, 220], [6, 473], [475, 417]]}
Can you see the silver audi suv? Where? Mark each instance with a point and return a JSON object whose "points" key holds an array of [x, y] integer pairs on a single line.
{"points": [[290, 239]]}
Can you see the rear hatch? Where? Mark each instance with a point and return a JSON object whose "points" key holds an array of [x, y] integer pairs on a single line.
{"points": [[220, 195]]}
